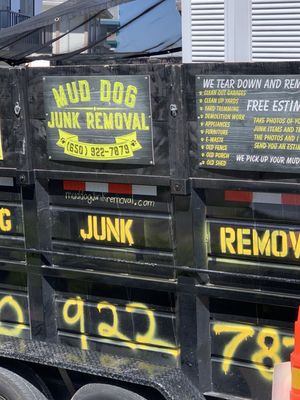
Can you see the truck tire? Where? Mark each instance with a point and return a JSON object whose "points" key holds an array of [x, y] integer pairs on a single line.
{"points": [[104, 392], [14, 387]]}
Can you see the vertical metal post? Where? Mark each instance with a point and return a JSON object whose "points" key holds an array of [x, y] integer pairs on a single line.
{"points": [[38, 237], [34, 280], [193, 329], [238, 30], [187, 31]]}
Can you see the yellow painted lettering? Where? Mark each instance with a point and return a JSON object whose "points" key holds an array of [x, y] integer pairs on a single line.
{"points": [[98, 117], [295, 240], [125, 231], [242, 333], [119, 121], [108, 121], [136, 125], [77, 318], [144, 126], [9, 301], [243, 241], [90, 120], [118, 93], [261, 245], [102, 236], [73, 93], [149, 338], [105, 90], [227, 238], [279, 249], [60, 96], [288, 341], [84, 90], [118, 229], [75, 122], [64, 120], [267, 351], [5, 220], [112, 331], [113, 229], [130, 96], [89, 234], [51, 122], [67, 117], [128, 120]]}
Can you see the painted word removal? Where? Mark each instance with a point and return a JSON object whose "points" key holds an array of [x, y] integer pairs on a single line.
{"points": [[267, 243]]}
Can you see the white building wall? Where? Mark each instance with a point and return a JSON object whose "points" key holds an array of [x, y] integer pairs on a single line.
{"points": [[76, 39], [51, 3], [38, 6], [203, 30], [240, 30], [276, 30]]}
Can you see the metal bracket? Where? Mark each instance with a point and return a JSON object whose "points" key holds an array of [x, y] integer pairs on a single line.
{"points": [[174, 110], [17, 109], [25, 178], [181, 186]]}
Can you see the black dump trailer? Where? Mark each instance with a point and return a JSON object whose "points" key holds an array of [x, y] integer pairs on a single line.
{"points": [[149, 230]]}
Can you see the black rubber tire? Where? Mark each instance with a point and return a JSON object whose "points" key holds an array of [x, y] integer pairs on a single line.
{"points": [[99, 391], [14, 387]]}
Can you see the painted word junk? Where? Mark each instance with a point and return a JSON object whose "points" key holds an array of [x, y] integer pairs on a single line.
{"points": [[106, 229], [249, 241], [99, 118]]}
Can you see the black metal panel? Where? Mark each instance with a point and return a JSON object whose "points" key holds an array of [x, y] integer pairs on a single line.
{"points": [[14, 303], [14, 309], [247, 340], [130, 233], [11, 141], [15, 142], [11, 223], [14, 315], [111, 229], [160, 83], [193, 314], [253, 233], [221, 71], [102, 266], [253, 288], [248, 122], [111, 319], [99, 119], [169, 381]]}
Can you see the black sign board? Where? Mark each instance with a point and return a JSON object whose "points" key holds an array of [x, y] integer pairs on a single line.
{"points": [[99, 118], [256, 241], [106, 229], [249, 122]]}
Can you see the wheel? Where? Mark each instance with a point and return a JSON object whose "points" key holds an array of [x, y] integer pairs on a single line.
{"points": [[104, 392], [14, 387]]}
